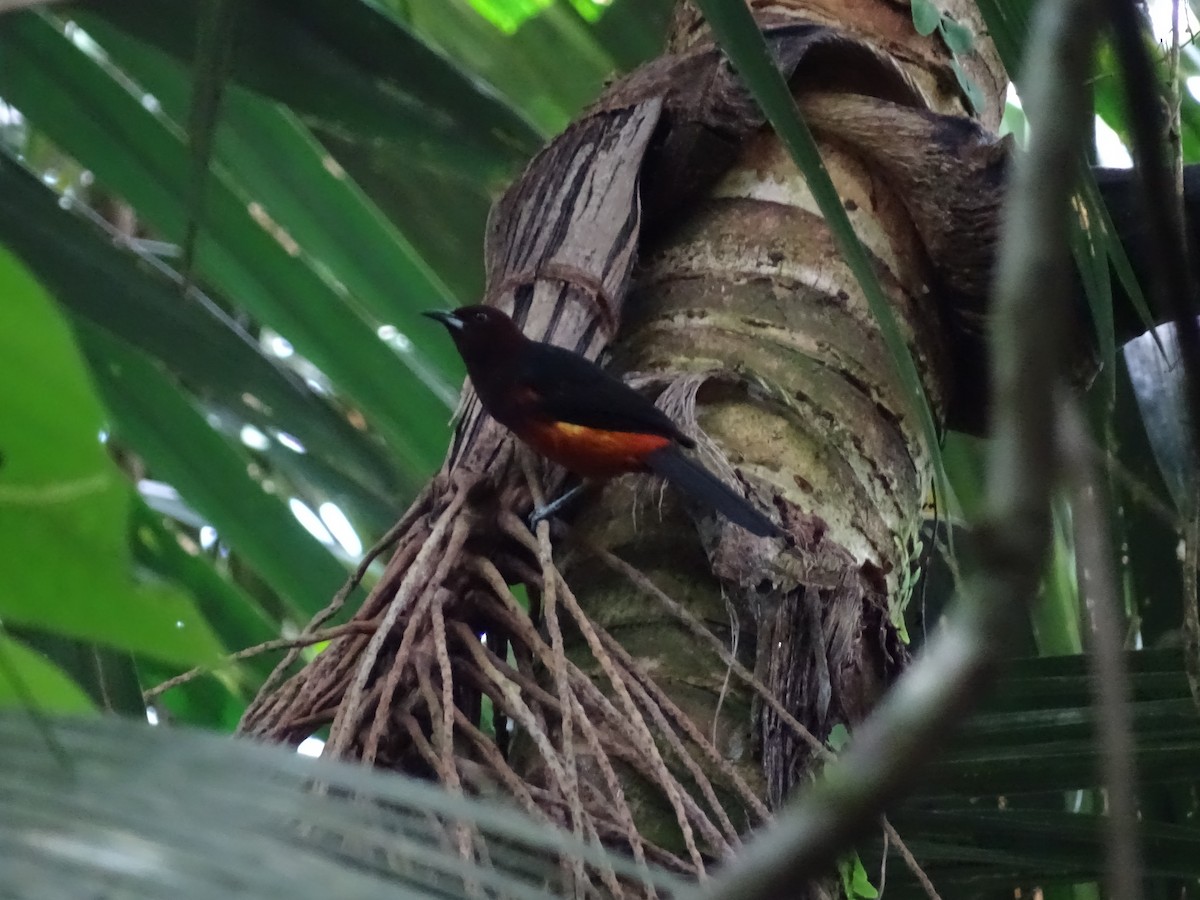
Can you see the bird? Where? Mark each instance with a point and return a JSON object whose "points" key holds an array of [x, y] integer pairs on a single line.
{"points": [[572, 412]]}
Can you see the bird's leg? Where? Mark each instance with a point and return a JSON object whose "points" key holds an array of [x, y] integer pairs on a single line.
{"points": [[545, 512]]}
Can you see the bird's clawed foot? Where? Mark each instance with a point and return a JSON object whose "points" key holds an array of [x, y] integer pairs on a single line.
{"points": [[545, 512]]}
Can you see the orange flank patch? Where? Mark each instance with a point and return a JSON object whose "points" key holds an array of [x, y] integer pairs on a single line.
{"points": [[592, 451]]}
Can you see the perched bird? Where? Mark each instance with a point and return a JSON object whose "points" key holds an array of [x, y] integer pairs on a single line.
{"points": [[574, 413]]}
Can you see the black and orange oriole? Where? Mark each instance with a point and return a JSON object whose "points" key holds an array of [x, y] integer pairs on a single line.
{"points": [[574, 413]]}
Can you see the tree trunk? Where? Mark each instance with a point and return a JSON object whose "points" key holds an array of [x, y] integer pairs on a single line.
{"points": [[778, 362], [627, 722]]}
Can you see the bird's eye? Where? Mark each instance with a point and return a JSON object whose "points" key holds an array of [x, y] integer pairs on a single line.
{"points": [[480, 316]]}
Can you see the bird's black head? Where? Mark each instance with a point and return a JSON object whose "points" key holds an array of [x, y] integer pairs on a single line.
{"points": [[483, 334]]}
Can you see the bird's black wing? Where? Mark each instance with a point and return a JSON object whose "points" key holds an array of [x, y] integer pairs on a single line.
{"points": [[573, 389]]}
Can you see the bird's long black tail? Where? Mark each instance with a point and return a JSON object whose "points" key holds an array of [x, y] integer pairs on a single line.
{"points": [[701, 484]]}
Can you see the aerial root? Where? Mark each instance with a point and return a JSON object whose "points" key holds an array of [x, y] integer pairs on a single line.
{"points": [[442, 638]]}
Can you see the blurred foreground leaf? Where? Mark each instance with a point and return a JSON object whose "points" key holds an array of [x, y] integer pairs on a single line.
{"points": [[160, 812], [27, 676], [64, 506]]}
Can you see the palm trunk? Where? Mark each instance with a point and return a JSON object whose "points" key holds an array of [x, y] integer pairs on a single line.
{"points": [[780, 363], [741, 312]]}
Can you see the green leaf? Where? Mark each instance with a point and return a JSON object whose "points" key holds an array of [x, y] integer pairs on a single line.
{"points": [[508, 15], [173, 557], [526, 66], [1023, 845], [1036, 731], [1035, 738], [214, 44], [1007, 24], [63, 505], [331, 220], [838, 738], [1108, 103], [93, 116], [151, 415], [926, 17], [452, 211], [632, 31], [102, 279], [1015, 123], [214, 701], [1089, 248], [958, 37], [349, 66], [965, 467], [969, 87], [109, 677], [26, 676], [1043, 849], [855, 881], [1056, 615]]}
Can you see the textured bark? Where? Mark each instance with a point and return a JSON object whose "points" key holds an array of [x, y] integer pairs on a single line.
{"points": [[668, 223], [750, 297]]}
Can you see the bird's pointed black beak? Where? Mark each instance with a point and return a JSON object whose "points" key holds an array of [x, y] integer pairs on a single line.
{"points": [[449, 319]]}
